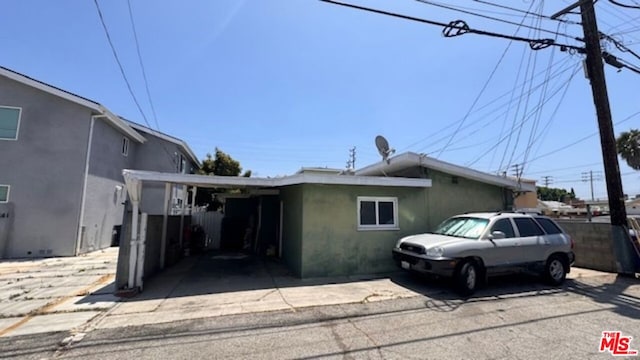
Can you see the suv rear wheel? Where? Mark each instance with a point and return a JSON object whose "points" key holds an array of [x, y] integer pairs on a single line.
{"points": [[467, 278], [555, 270]]}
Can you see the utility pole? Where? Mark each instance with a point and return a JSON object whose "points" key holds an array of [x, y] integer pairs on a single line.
{"points": [[351, 163], [517, 169], [595, 71], [589, 176], [546, 180]]}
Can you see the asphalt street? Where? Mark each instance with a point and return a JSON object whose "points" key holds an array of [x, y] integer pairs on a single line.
{"points": [[512, 318]]}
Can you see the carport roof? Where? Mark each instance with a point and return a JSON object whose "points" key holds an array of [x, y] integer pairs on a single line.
{"points": [[136, 176]]}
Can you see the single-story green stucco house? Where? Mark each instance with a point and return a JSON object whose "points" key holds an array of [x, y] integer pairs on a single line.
{"points": [[327, 223]]}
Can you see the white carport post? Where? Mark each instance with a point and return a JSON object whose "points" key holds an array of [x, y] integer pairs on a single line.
{"points": [[194, 191], [134, 187], [141, 249], [165, 220], [183, 197]]}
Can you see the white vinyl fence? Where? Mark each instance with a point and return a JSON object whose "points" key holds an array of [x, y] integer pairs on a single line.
{"points": [[211, 223]]}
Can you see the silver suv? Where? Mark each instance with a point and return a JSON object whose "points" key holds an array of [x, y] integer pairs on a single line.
{"points": [[468, 248]]}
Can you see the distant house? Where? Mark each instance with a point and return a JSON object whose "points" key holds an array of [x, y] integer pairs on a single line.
{"points": [[323, 222], [61, 187]]}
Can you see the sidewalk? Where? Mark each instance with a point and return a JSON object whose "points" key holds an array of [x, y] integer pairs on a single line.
{"points": [[76, 294]]}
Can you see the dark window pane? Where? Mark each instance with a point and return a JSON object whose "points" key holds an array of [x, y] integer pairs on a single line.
{"points": [[505, 226], [549, 226], [385, 213], [4, 193], [527, 227], [367, 213]]}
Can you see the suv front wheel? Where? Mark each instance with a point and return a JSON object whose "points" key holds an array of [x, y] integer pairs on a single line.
{"points": [[467, 278], [555, 270]]}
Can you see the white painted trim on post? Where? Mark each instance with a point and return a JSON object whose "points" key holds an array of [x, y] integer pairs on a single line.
{"points": [[165, 220], [133, 245], [141, 250], [194, 191], [83, 200]]}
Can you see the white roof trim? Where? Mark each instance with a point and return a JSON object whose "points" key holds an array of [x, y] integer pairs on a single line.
{"points": [[132, 176], [114, 120], [165, 137], [409, 159]]}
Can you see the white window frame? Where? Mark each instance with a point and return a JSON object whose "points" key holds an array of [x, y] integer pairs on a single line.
{"points": [[125, 146], [19, 120], [377, 200], [8, 193]]}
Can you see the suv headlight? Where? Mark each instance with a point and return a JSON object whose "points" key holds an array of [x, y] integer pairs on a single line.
{"points": [[435, 252]]}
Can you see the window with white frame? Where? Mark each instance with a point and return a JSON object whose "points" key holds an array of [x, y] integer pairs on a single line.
{"points": [[377, 213], [4, 193], [9, 122], [125, 146]]}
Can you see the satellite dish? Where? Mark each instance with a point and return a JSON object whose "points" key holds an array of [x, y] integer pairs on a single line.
{"points": [[383, 148]]}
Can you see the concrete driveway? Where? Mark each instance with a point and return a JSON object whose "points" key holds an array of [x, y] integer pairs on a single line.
{"points": [[76, 294], [55, 294]]}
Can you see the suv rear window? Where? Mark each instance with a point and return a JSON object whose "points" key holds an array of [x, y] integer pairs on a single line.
{"points": [[527, 227], [549, 226]]}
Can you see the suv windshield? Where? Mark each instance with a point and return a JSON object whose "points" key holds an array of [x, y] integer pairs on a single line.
{"points": [[466, 227]]}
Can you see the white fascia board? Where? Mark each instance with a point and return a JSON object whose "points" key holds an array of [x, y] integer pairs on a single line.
{"points": [[352, 180], [409, 159], [122, 126], [115, 121], [168, 138], [49, 89], [238, 181]]}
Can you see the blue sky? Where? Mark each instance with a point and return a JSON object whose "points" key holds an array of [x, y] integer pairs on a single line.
{"points": [[282, 84]]}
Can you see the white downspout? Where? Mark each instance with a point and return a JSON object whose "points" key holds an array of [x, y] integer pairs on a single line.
{"points": [[141, 250], [133, 248], [165, 219], [84, 186]]}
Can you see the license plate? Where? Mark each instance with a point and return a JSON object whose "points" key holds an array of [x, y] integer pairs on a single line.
{"points": [[405, 265]]}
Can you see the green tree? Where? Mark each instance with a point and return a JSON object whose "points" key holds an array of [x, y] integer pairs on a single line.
{"points": [[628, 146], [222, 164], [554, 194]]}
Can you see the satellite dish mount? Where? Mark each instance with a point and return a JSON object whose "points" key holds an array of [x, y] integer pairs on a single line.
{"points": [[383, 148]]}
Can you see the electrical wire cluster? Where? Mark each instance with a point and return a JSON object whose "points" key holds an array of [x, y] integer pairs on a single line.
{"points": [[523, 112]]}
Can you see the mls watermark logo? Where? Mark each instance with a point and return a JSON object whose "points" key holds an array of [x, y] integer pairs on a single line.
{"points": [[616, 343]]}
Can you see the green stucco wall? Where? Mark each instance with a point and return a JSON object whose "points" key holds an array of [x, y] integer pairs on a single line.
{"points": [[333, 245], [447, 198], [291, 197], [324, 231]]}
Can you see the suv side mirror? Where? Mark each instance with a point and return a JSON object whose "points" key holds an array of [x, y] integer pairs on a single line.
{"points": [[497, 235]]}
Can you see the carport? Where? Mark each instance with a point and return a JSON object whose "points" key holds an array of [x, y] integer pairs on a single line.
{"points": [[142, 248]]}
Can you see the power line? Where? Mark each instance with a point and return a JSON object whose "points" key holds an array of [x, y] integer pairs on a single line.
{"points": [[528, 12], [144, 73], [459, 27], [519, 125], [441, 130], [614, 2], [552, 152], [115, 55], [495, 19]]}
